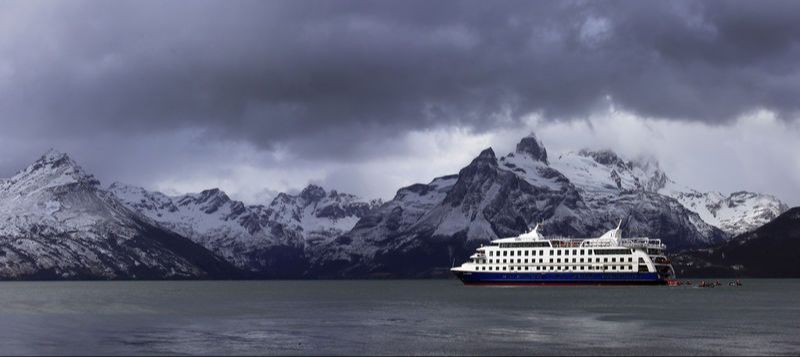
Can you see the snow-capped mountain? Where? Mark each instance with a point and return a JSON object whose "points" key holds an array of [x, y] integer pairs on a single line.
{"points": [[318, 214], [425, 227], [602, 173], [273, 240], [737, 213], [209, 218], [55, 222]]}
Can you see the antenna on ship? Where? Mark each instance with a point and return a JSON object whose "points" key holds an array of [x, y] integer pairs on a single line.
{"points": [[535, 231], [616, 232], [530, 233], [613, 233]]}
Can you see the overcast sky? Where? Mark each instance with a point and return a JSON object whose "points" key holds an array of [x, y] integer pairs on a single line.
{"points": [[367, 96]]}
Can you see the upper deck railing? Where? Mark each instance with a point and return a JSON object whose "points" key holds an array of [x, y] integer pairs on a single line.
{"points": [[643, 243], [639, 242], [565, 242]]}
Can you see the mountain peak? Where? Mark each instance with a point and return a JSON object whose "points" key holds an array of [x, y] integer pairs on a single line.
{"points": [[52, 169], [209, 200], [487, 155], [213, 193], [313, 193], [53, 155], [57, 163], [55, 159], [533, 147], [603, 157], [485, 162], [610, 158]]}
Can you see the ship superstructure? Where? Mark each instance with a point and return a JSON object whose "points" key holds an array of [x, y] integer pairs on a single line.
{"points": [[531, 259]]}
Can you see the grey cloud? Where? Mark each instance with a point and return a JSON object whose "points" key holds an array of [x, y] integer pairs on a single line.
{"points": [[327, 79]]}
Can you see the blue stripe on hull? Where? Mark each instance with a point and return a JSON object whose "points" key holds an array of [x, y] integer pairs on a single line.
{"points": [[486, 278]]}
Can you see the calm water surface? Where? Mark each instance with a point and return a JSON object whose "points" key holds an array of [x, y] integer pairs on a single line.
{"points": [[395, 317]]}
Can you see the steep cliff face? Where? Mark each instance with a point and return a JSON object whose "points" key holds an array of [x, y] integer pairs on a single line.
{"points": [[56, 223]]}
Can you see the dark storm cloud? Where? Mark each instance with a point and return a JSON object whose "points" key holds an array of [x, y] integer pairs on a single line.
{"points": [[322, 78]]}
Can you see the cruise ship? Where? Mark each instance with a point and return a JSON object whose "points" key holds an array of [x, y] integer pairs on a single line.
{"points": [[531, 259]]}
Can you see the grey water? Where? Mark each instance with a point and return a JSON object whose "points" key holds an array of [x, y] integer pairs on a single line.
{"points": [[422, 317]]}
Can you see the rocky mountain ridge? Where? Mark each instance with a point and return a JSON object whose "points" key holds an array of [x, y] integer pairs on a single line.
{"points": [[319, 233], [272, 240], [737, 213], [425, 227], [603, 173]]}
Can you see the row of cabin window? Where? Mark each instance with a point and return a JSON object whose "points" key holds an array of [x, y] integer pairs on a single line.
{"points": [[558, 260], [558, 252], [558, 268]]}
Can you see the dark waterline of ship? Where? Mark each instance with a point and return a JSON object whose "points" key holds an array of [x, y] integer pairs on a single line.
{"points": [[395, 317]]}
